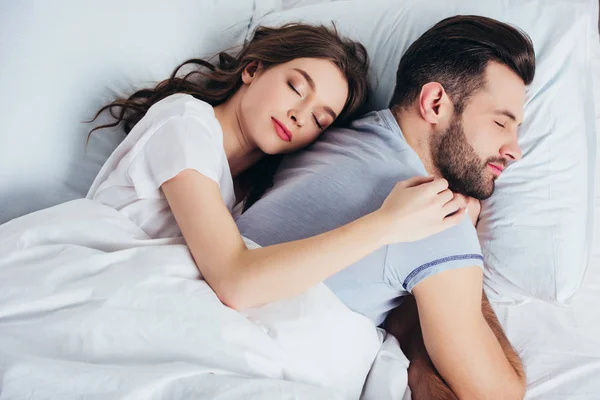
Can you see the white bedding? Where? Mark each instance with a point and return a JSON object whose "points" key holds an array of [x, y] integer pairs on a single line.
{"points": [[560, 345], [91, 308]]}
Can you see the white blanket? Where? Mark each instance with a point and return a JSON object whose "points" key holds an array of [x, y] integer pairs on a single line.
{"points": [[91, 308]]}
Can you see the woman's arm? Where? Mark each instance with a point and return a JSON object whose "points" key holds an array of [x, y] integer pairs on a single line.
{"points": [[244, 278]]}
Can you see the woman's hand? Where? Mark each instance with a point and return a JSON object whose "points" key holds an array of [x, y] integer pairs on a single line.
{"points": [[420, 207], [473, 207]]}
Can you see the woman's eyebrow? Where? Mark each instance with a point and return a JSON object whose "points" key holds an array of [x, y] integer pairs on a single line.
{"points": [[311, 83]]}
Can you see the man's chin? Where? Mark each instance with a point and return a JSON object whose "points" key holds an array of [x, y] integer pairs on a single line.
{"points": [[485, 194], [480, 193], [482, 197]]}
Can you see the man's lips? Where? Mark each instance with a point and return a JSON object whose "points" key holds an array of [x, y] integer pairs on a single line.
{"points": [[282, 131], [496, 169]]}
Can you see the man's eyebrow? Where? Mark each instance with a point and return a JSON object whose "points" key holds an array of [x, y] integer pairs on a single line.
{"points": [[506, 113], [311, 83]]}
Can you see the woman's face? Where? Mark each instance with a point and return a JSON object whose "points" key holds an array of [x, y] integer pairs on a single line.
{"points": [[287, 106]]}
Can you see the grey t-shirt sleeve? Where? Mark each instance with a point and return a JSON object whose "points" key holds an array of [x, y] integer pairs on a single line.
{"points": [[407, 264]]}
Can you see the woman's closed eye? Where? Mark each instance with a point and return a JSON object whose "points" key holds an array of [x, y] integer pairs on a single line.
{"points": [[499, 124], [317, 122], [294, 89]]}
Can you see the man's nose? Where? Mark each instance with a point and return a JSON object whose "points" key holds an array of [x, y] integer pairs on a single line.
{"points": [[512, 151]]}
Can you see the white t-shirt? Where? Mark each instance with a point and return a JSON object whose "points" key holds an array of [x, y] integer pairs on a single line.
{"points": [[177, 133]]}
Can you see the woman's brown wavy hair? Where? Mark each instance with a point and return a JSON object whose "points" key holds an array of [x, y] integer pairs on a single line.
{"points": [[215, 84]]}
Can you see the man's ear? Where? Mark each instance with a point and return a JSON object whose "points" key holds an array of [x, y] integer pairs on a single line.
{"points": [[434, 104], [251, 71]]}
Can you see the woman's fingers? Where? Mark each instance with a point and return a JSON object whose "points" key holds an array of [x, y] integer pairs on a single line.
{"points": [[417, 180], [453, 205], [454, 219]]}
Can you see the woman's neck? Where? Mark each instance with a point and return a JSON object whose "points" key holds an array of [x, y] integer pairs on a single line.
{"points": [[240, 151]]}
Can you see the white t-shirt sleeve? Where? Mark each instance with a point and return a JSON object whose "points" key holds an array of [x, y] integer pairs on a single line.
{"points": [[176, 144]]}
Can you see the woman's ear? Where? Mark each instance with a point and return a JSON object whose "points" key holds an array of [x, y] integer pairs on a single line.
{"points": [[251, 71], [434, 104]]}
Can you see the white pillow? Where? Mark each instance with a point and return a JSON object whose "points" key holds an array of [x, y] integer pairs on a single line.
{"points": [[536, 229], [595, 64], [62, 60]]}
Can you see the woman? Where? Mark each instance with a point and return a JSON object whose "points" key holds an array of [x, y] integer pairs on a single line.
{"points": [[190, 143]]}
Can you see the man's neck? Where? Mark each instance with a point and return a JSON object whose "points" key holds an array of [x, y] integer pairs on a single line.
{"points": [[416, 132]]}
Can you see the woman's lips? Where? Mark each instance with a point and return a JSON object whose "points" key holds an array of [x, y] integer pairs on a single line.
{"points": [[282, 131]]}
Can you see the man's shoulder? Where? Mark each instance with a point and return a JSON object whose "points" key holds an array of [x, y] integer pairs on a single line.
{"points": [[371, 142], [409, 263], [378, 117], [364, 159], [380, 122]]}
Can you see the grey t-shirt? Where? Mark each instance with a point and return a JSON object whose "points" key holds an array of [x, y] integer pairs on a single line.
{"points": [[345, 175]]}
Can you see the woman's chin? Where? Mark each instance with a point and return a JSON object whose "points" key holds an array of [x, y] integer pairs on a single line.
{"points": [[273, 148]]}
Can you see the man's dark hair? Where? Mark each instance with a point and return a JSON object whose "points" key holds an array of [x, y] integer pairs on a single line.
{"points": [[455, 53]]}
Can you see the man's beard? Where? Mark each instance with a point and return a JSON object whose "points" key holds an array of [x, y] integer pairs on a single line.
{"points": [[459, 163]]}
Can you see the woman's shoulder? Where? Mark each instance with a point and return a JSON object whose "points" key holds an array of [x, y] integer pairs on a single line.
{"points": [[184, 105]]}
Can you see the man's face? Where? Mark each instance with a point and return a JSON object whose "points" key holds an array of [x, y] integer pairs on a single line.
{"points": [[476, 146]]}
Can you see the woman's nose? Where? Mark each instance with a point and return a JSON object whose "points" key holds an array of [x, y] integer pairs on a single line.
{"points": [[297, 117]]}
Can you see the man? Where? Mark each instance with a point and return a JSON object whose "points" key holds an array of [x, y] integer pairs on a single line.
{"points": [[458, 102]]}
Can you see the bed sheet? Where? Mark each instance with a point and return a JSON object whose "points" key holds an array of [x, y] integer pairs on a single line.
{"points": [[560, 345], [97, 322]]}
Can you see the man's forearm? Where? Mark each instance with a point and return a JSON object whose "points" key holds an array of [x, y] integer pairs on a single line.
{"points": [[424, 380], [507, 348]]}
